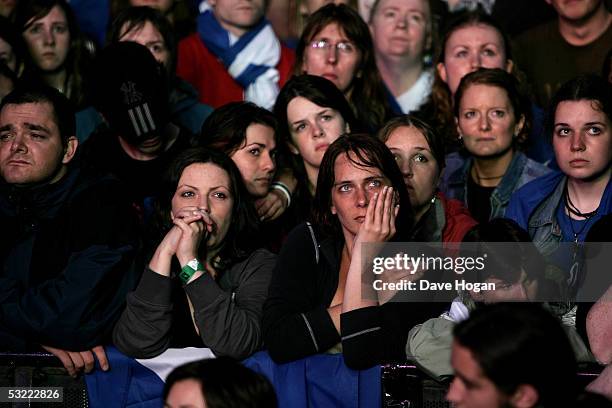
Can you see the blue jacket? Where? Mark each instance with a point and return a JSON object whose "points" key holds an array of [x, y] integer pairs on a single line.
{"points": [[521, 171], [534, 208]]}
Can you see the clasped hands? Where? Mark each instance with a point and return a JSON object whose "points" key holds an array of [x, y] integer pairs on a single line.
{"points": [[191, 226]]}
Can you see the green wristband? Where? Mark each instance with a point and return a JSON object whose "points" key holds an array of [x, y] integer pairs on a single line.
{"points": [[189, 270]]}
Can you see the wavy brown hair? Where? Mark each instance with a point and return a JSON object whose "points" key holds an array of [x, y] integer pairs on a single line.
{"points": [[367, 97], [441, 96]]}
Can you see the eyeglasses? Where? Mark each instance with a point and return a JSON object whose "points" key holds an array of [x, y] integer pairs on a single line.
{"points": [[344, 47]]}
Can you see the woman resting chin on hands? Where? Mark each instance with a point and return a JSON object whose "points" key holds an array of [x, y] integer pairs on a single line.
{"points": [[204, 281]]}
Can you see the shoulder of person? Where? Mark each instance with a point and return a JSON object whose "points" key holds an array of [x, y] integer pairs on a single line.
{"points": [[536, 169]]}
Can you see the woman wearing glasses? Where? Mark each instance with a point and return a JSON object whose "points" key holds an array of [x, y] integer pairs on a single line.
{"points": [[336, 44]]}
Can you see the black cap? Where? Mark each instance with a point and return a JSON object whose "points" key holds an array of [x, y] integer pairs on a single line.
{"points": [[129, 88]]}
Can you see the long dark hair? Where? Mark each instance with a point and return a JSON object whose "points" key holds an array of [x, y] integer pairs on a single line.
{"points": [[368, 97], [364, 151], [226, 128], [319, 91], [239, 240], [79, 57]]}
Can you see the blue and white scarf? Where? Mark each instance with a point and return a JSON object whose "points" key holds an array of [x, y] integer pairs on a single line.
{"points": [[251, 59]]}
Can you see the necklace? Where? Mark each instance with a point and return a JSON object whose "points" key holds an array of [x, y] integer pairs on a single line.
{"points": [[478, 177], [572, 209]]}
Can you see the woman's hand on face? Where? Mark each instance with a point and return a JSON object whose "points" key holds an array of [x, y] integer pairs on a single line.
{"points": [[272, 206], [379, 222]]}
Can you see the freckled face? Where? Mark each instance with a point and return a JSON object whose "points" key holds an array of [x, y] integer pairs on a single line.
{"points": [[487, 121]]}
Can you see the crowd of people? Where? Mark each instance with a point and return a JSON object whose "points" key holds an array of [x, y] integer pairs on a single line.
{"points": [[194, 174]]}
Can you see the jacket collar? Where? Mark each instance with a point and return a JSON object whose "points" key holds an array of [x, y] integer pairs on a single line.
{"points": [[42, 201], [505, 188]]}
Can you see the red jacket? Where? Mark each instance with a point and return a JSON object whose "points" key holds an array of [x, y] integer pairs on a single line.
{"points": [[198, 66], [458, 219]]}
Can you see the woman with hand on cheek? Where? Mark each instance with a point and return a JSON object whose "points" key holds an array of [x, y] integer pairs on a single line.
{"points": [[360, 198], [204, 281]]}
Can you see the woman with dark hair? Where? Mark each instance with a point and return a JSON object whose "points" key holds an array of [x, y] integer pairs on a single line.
{"points": [[248, 134], [312, 114], [360, 198], [217, 383], [204, 285], [336, 44], [562, 206], [492, 121], [419, 153], [57, 55]]}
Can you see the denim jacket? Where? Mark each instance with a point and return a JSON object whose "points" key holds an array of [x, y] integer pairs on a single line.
{"points": [[521, 171], [534, 208]]}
